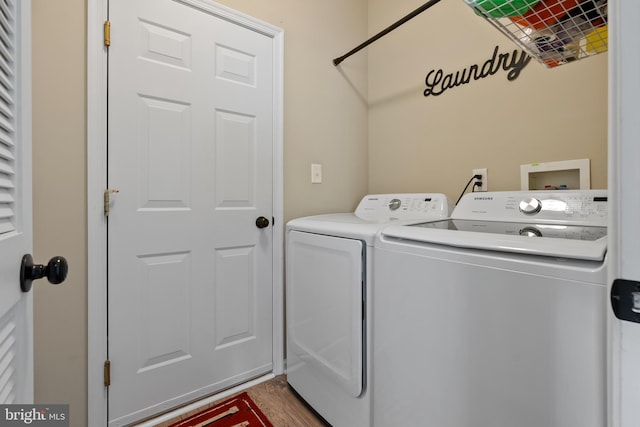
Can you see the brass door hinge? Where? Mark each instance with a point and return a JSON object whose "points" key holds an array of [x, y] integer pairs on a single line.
{"points": [[107, 373], [107, 33], [107, 200]]}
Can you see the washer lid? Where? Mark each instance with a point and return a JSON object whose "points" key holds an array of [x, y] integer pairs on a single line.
{"points": [[527, 229], [564, 241], [373, 212], [346, 225]]}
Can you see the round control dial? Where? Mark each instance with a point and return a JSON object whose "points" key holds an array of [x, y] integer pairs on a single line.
{"points": [[394, 204], [530, 206], [530, 232]]}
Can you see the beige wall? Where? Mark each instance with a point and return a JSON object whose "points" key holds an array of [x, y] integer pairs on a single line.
{"points": [[59, 200], [420, 143], [411, 143], [325, 122], [325, 107]]}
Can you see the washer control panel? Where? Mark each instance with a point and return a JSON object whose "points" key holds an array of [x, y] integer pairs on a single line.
{"points": [[586, 207], [404, 206]]}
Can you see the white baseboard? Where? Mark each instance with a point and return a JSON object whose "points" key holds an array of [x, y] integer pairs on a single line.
{"points": [[200, 403]]}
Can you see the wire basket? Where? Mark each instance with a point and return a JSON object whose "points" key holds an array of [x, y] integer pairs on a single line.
{"points": [[554, 32]]}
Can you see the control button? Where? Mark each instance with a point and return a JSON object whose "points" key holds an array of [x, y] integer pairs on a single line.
{"points": [[394, 204], [530, 232], [530, 206]]}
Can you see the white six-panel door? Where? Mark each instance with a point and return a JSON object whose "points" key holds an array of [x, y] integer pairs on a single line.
{"points": [[16, 316], [190, 152]]}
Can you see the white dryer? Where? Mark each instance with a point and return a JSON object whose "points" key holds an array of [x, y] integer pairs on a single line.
{"points": [[328, 279], [495, 317]]}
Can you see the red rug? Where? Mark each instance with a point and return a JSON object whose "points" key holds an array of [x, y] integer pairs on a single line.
{"points": [[238, 411]]}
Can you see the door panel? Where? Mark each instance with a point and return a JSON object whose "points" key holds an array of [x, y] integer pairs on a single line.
{"points": [[190, 151], [16, 316], [325, 335], [235, 290], [236, 151], [163, 334]]}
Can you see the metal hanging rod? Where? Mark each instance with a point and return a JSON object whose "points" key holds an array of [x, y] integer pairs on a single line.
{"points": [[386, 31]]}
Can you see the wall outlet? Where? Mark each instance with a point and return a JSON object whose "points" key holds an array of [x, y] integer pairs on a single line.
{"points": [[484, 180], [316, 174]]}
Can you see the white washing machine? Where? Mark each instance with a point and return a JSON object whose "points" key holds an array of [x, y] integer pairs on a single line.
{"points": [[495, 317], [328, 279]]}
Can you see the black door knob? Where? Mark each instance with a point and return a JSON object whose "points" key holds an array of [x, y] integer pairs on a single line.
{"points": [[262, 222], [55, 271]]}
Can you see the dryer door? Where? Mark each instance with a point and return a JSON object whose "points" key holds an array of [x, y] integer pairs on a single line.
{"points": [[324, 311]]}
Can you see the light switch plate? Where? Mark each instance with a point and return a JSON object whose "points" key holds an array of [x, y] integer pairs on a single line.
{"points": [[316, 174]]}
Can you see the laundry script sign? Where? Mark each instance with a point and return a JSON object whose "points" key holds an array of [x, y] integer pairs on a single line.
{"points": [[438, 82]]}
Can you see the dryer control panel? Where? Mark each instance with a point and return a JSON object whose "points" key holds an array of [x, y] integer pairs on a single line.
{"points": [[403, 206]]}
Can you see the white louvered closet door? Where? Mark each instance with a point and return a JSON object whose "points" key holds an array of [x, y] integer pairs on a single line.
{"points": [[16, 318]]}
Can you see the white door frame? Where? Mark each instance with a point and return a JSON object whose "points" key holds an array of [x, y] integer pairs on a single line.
{"points": [[97, 13], [624, 132]]}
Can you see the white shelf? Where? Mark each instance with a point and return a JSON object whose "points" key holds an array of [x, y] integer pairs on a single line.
{"points": [[567, 174]]}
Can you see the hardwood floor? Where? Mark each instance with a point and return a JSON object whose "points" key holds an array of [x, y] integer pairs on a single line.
{"points": [[278, 402], [282, 406]]}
